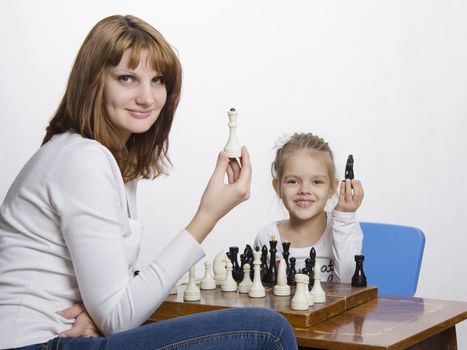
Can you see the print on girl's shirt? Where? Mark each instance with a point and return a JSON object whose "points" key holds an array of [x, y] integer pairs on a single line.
{"points": [[328, 270]]}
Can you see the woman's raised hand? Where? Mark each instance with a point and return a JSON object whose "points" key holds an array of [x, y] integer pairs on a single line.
{"points": [[220, 197]]}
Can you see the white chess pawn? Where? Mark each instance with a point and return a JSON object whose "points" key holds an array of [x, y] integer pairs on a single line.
{"points": [[229, 284], [232, 148], [220, 261], [245, 284], [174, 290], [257, 289], [282, 288], [192, 292], [182, 280], [300, 300], [317, 292], [208, 281]]}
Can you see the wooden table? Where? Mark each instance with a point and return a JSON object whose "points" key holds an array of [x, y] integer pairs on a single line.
{"points": [[355, 319], [389, 323]]}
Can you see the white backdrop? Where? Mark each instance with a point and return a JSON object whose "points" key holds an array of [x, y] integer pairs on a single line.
{"points": [[383, 80]]}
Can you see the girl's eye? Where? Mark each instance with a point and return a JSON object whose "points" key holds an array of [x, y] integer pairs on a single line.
{"points": [[291, 182], [125, 78]]}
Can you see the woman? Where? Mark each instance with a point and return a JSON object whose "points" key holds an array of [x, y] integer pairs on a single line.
{"points": [[68, 233]]}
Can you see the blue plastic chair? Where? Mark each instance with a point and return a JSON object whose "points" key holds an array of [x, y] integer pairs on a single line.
{"points": [[393, 256]]}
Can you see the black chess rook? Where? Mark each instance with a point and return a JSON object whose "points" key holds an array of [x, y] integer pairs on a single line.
{"points": [[359, 278]]}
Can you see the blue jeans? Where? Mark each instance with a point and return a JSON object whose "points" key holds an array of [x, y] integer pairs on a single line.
{"points": [[236, 328]]}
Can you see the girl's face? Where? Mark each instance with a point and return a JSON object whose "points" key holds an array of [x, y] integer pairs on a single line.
{"points": [[133, 98], [305, 186]]}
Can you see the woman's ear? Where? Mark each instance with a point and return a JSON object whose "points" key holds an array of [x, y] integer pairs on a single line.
{"points": [[277, 187]]}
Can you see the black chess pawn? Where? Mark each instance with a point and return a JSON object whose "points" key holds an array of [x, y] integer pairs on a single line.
{"points": [[264, 262], [313, 256], [292, 272], [240, 274], [285, 254], [359, 278], [310, 272], [271, 276]]}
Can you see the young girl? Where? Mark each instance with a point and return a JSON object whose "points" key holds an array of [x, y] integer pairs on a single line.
{"points": [[69, 238], [304, 178]]}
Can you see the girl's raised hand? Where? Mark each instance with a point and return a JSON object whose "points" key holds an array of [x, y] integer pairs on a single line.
{"points": [[220, 197], [350, 196]]}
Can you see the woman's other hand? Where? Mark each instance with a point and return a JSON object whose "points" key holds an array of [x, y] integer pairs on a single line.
{"points": [[84, 326]]}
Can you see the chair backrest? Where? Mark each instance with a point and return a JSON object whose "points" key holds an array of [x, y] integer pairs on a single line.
{"points": [[393, 256]]}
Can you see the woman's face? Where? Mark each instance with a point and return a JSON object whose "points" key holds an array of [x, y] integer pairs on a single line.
{"points": [[133, 98]]}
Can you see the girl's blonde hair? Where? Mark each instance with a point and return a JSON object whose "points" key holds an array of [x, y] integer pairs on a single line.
{"points": [[310, 143], [82, 107]]}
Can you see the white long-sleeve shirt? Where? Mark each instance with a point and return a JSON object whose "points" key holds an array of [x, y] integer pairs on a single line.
{"points": [[68, 234], [335, 250]]}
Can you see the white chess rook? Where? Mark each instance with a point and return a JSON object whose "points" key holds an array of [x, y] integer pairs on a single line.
{"points": [[208, 281], [282, 288], [257, 289], [317, 292], [300, 300], [192, 292], [232, 148]]}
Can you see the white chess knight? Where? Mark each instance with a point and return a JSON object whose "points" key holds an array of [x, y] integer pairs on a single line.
{"points": [[208, 281], [257, 289], [282, 288], [245, 284], [300, 300], [232, 148], [317, 292], [192, 291], [219, 264]]}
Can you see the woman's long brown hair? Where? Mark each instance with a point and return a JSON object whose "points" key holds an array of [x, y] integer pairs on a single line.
{"points": [[82, 107]]}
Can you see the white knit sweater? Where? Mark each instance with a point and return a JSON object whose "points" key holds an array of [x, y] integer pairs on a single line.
{"points": [[68, 234]]}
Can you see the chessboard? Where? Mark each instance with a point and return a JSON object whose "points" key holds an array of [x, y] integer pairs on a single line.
{"points": [[339, 298]]}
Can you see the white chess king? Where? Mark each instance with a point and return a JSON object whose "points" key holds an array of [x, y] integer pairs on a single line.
{"points": [[232, 148]]}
